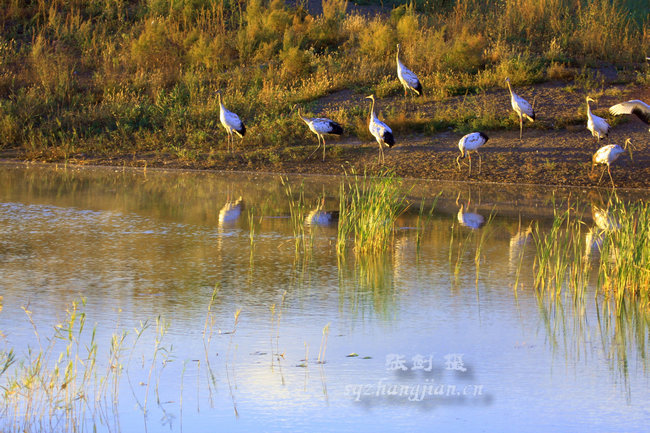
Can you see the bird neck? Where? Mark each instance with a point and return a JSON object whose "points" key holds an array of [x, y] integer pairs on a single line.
{"points": [[220, 103], [304, 119], [588, 108], [372, 109]]}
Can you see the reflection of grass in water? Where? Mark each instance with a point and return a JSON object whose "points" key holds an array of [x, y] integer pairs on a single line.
{"points": [[623, 329], [368, 209], [424, 219], [485, 232], [459, 245], [298, 211], [366, 280], [276, 316]]}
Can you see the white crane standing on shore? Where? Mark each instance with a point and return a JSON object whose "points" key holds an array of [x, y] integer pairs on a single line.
{"points": [[608, 154], [382, 133], [321, 126], [471, 143], [231, 122], [597, 125], [635, 106], [521, 107], [408, 79]]}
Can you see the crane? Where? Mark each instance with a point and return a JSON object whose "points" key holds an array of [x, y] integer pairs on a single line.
{"points": [[231, 122], [321, 126], [597, 125], [408, 79], [608, 154], [382, 133], [521, 107], [471, 143]]}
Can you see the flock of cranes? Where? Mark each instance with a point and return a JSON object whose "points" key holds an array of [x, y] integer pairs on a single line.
{"points": [[321, 126]]}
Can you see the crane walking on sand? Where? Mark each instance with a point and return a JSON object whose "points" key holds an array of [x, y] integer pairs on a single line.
{"points": [[471, 143], [597, 125], [408, 79], [382, 133], [321, 126], [521, 107], [607, 155], [635, 106], [231, 122]]}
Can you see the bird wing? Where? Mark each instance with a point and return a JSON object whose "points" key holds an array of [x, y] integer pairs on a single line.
{"points": [[635, 106], [473, 141], [407, 76], [379, 128], [231, 120], [323, 125], [600, 124], [522, 105], [602, 155]]}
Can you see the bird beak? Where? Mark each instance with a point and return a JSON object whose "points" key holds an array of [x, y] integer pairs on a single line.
{"points": [[628, 142]]}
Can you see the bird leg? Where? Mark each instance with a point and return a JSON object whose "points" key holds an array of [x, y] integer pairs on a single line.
{"points": [[601, 176], [323, 148], [317, 147], [610, 176], [521, 127], [381, 154], [479, 162], [469, 155]]}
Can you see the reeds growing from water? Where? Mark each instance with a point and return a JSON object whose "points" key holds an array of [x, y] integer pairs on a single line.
{"points": [[368, 209]]}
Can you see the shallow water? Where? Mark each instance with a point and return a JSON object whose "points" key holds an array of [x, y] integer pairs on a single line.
{"points": [[439, 343]]}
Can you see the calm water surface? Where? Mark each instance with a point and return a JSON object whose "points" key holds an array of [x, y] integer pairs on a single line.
{"points": [[439, 341]]}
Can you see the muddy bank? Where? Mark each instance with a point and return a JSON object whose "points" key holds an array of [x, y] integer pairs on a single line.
{"points": [[555, 150]]}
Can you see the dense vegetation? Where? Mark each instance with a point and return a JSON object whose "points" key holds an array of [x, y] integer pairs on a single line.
{"points": [[117, 77]]}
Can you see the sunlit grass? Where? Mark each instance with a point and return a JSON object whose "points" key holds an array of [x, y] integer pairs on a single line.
{"points": [[97, 78]]}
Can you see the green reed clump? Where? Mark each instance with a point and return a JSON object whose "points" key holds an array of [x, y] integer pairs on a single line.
{"points": [[624, 270], [559, 260], [368, 209]]}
